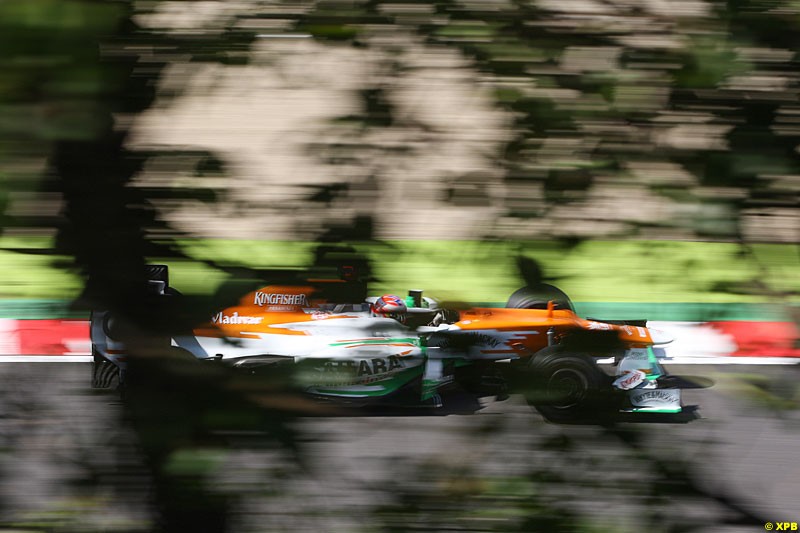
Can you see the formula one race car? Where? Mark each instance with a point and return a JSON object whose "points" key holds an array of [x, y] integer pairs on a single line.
{"points": [[411, 352]]}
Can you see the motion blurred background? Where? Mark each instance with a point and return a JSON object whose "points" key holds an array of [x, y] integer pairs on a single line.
{"points": [[645, 153]]}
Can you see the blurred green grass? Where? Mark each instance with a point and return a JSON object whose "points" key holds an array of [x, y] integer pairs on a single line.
{"points": [[594, 271], [473, 271]]}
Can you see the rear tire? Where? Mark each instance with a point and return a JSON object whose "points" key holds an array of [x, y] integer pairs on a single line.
{"points": [[536, 297], [567, 387], [105, 374]]}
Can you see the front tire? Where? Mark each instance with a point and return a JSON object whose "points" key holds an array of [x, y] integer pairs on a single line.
{"points": [[567, 387]]}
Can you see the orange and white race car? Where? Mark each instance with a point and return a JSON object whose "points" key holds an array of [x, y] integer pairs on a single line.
{"points": [[412, 352]]}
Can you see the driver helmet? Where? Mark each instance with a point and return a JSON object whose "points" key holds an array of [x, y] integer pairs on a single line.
{"points": [[390, 306]]}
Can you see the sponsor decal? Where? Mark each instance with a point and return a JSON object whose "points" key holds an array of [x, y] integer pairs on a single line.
{"points": [[630, 331], [630, 380], [352, 372], [276, 298], [235, 318], [599, 326], [365, 367], [320, 315], [465, 340], [637, 354], [664, 395]]}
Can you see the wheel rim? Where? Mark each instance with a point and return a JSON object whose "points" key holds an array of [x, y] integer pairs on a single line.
{"points": [[566, 387]]}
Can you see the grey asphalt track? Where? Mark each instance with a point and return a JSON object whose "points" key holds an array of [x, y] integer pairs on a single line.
{"points": [[729, 470]]}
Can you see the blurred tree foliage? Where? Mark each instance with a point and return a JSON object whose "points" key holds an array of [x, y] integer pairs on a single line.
{"points": [[75, 72], [693, 106], [687, 113]]}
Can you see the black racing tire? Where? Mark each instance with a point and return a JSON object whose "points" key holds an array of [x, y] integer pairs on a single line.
{"points": [[536, 297], [105, 374], [567, 387]]}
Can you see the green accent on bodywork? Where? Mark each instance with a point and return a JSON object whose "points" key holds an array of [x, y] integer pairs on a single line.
{"points": [[385, 340], [429, 387], [654, 366], [645, 410], [389, 385]]}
